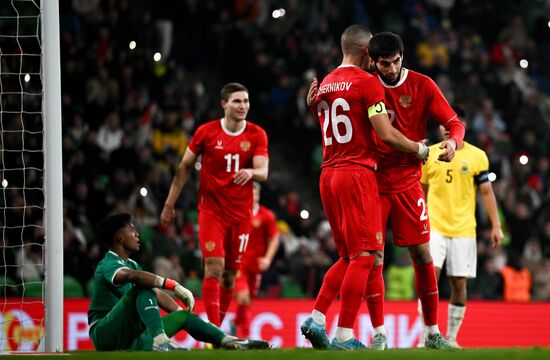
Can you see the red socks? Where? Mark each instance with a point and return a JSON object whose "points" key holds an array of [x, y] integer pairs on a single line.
{"points": [[375, 296], [331, 285], [211, 297], [242, 320], [426, 288], [226, 295], [353, 289]]}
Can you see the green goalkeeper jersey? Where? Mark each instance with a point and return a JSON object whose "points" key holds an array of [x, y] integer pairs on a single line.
{"points": [[106, 294]]}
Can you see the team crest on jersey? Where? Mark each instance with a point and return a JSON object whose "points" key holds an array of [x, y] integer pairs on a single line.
{"points": [[245, 145], [405, 101], [256, 223], [464, 168], [379, 237], [210, 245], [218, 145]]}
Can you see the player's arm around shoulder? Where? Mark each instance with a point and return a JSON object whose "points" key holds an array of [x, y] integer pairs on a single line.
{"points": [[380, 121]]}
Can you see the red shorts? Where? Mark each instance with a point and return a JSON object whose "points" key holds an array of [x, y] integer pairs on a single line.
{"points": [[409, 216], [248, 281], [221, 239], [352, 206]]}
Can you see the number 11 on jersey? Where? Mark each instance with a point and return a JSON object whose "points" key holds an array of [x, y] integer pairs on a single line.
{"points": [[230, 159], [243, 242]]}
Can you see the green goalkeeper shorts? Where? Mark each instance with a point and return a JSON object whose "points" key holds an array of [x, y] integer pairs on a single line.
{"points": [[121, 328]]}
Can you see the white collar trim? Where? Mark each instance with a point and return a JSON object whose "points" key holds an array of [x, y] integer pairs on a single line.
{"points": [[401, 81], [230, 133]]}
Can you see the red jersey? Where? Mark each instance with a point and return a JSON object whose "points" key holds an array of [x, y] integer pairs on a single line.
{"points": [[264, 227], [410, 103], [223, 154], [343, 103]]}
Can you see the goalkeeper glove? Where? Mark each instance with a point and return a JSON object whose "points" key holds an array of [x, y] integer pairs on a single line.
{"points": [[182, 293]]}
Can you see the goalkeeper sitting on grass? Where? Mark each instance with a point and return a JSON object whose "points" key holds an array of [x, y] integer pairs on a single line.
{"points": [[124, 310]]}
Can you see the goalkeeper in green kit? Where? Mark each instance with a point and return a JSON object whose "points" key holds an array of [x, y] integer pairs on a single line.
{"points": [[124, 310]]}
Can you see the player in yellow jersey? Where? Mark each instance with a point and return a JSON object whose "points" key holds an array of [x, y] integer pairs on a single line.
{"points": [[451, 188]]}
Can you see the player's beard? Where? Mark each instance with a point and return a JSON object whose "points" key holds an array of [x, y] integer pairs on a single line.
{"points": [[386, 80]]}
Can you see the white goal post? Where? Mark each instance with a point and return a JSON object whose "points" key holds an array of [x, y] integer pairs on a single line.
{"points": [[53, 177]]}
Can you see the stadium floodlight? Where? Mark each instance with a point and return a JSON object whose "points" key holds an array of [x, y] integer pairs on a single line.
{"points": [[143, 191], [523, 63], [157, 56], [523, 159]]}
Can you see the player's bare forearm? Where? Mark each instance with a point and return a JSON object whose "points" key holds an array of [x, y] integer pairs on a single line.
{"points": [[400, 142], [166, 302], [168, 213], [394, 138], [258, 173], [261, 168], [490, 202], [272, 247], [179, 181]]}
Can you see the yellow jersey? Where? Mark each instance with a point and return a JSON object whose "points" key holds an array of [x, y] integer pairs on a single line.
{"points": [[452, 189]]}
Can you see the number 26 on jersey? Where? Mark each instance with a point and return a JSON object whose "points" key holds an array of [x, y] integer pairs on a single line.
{"points": [[331, 117]]}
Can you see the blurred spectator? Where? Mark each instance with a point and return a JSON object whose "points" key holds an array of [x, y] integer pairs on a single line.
{"points": [[109, 135], [400, 277], [516, 278]]}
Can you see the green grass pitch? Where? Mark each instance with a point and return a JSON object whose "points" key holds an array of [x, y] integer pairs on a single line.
{"points": [[309, 354]]}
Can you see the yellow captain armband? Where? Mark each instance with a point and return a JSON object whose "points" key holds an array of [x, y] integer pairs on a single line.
{"points": [[377, 109]]}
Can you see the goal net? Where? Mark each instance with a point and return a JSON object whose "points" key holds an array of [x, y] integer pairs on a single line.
{"points": [[23, 178]]}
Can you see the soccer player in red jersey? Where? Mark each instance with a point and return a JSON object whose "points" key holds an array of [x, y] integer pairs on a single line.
{"points": [[262, 247], [350, 107], [234, 152], [411, 99]]}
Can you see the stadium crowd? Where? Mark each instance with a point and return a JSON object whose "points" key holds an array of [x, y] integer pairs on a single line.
{"points": [[127, 120]]}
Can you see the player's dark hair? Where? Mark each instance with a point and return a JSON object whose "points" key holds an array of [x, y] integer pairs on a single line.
{"points": [[231, 88], [110, 225], [355, 38], [385, 44]]}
